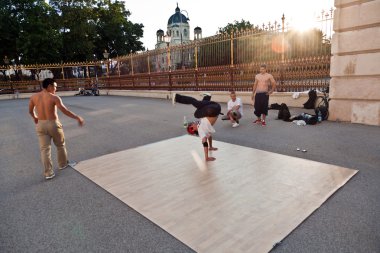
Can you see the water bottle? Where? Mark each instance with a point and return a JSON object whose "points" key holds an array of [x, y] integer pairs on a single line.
{"points": [[319, 117], [184, 122]]}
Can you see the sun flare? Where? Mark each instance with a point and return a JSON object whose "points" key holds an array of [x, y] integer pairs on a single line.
{"points": [[304, 23]]}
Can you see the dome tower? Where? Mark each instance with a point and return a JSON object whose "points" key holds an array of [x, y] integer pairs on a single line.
{"points": [[178, 27]]}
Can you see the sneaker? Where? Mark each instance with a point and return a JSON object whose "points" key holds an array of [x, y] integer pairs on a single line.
{"points": [[258, 121], [173, 99], [235, 124], [71, 164], [204, 94], [50, 176], [263, 123]]}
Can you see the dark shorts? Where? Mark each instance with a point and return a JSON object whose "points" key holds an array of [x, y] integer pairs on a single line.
{"points": [[211, 109], [261, 104]]}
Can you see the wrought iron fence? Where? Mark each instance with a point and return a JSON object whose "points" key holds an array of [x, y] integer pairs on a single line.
{"points": [[297, 60]]}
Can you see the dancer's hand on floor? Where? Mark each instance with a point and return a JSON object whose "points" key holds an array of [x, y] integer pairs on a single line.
{"points": [[212, 149], [210, 159]]}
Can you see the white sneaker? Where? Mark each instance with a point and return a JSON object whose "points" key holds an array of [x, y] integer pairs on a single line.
{"points": [[173, 98], [50, 177], [235, 124], [71, 164], [204, 94]]}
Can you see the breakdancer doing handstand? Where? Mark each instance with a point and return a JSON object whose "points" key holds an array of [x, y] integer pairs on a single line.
{"points": [[207, 112]]}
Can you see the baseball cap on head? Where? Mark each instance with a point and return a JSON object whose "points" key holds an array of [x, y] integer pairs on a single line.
{"points": [[190, 129]]}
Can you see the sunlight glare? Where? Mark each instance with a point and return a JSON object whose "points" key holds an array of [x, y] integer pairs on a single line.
{"points": [[198, 160], [304, 23]]}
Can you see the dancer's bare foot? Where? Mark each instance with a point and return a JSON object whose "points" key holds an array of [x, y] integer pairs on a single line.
{"points": [[210, 159]]}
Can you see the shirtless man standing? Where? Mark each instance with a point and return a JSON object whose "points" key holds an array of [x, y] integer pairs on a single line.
{"points": [[261, 92], [43, 109]]}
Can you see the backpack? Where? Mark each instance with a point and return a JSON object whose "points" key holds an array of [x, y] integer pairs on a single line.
{"points": [[310, 119], [310, 103], [274, 107], [324, 112], [283, 112]]}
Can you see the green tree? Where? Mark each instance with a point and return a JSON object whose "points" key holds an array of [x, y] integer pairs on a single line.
{"points": [[77, 27], [25, 31], [38, 41], [115, 32], [9, 29], [66, 30], [89, 27], [237, 26]]}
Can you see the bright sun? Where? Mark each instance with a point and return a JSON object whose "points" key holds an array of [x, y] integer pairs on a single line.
{"points": [[304, 23]]}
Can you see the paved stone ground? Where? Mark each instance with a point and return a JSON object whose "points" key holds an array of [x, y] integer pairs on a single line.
{"points": [[72, 214]]}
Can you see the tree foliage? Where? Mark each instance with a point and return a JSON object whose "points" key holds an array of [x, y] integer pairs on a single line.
{"points": [[34, 31], [237, 26]]}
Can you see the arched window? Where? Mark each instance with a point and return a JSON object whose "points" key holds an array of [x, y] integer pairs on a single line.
{"points": [[177, 33], [185, 32]]}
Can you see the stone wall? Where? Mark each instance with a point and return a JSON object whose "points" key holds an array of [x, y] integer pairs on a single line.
{"points": [[355, 62], [28, 95], [217, 96]]}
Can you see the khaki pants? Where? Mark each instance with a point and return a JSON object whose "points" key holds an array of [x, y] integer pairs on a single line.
{"points": [[236, 115], [47, 130]]}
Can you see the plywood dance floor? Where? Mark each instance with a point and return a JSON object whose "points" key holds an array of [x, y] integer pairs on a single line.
{"points": [[245, 201]]}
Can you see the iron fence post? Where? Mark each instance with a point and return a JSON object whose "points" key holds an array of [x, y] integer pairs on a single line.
{"points": [[232, 59], [282, 53], [196, 79], [170, 81], [149, 70], [232, 76], [133, 78]]}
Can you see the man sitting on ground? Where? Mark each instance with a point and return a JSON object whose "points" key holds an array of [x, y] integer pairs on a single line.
{"points": [[235, 110]]}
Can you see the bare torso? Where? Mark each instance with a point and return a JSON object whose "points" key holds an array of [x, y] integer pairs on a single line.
{"points": [[45, 105], [263, 82]]}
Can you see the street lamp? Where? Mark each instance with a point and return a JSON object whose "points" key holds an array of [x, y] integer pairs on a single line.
{"points": [[14, 63], [167, 39], [106, 55], [7, 61], [95, 68]]}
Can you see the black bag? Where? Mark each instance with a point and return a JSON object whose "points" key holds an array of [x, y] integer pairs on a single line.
{"points": [[310, 103], [284, 113], [324, 112], [274, 107], [310, 119]]}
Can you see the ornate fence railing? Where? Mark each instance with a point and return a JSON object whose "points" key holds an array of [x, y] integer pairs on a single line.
{"points": [[298, 61]]}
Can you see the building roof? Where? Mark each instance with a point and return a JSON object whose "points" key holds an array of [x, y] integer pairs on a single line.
{"points": [[177, 17]]}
